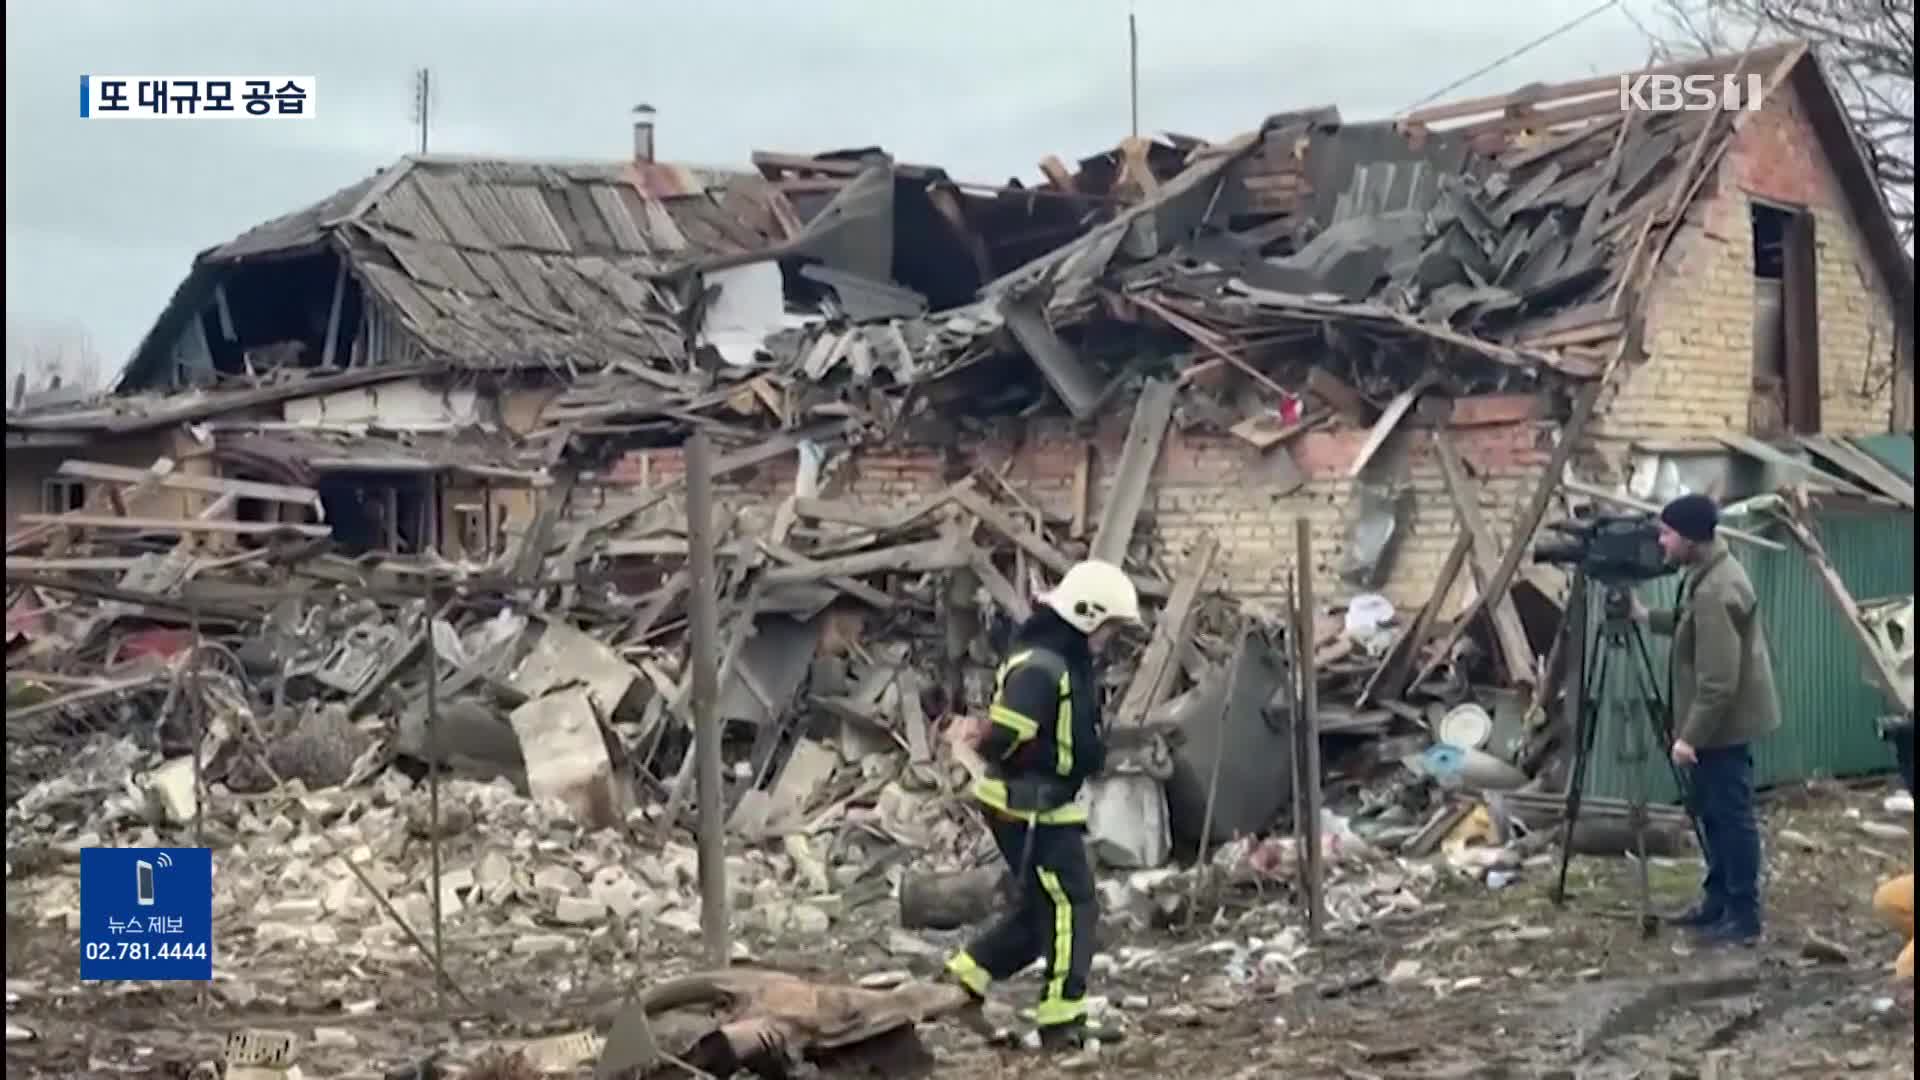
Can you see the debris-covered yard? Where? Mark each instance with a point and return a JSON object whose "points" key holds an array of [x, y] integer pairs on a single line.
{"points": [[384, 573], [1431, 974]]}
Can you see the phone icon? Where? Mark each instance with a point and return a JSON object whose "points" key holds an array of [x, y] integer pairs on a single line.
{"points": [[143, 872]]}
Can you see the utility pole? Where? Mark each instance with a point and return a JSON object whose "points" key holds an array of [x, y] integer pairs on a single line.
{"points": [[422, 102], [704, 692], [1133, 70]]}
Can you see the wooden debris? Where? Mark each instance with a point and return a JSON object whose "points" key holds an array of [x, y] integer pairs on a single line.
{"points": [[1137, 459], [1508, 632], [1153, 678]]}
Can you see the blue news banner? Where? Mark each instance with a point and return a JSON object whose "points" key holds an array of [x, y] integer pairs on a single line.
{"points": [[146, 913]]}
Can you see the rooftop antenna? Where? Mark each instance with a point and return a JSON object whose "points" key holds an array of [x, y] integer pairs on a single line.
{"points": [[1133, 68], [422, 102]]}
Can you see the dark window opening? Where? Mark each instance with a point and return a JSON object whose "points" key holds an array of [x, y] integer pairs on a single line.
{"points": [[383, 512], [1786, 323], [64, 496]]}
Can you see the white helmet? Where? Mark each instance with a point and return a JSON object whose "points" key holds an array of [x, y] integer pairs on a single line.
{"points": [[1093, 593]]}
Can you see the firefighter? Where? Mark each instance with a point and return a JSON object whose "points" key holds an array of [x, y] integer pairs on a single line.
{"points": [[1041, 740]]}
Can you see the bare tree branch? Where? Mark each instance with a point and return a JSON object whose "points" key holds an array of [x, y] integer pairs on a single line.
{"points": [[41, 356], [1866, 47]]}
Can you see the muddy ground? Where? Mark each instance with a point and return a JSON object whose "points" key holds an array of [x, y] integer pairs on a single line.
{"points": [[1475, 983]]}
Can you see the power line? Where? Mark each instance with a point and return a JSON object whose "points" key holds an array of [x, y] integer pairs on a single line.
{"points": [[1512, 56]]}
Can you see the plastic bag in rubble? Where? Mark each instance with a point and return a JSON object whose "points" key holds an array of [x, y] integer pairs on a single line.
{"points": [[1368, 619]]}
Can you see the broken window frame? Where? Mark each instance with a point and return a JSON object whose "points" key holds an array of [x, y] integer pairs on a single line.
{"points": [[59, 495], [1796, 376]]}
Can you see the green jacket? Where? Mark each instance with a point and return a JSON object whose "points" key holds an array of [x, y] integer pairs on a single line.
{"points": [[1722, 673]]}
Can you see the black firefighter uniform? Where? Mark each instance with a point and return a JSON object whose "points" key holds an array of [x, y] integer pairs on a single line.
{"points": [[1043, 742]]}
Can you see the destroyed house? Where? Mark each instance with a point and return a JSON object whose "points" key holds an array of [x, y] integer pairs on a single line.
{"points": [[1393, 328]]}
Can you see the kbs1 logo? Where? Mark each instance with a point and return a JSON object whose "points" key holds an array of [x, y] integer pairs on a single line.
{"points": [[197, 97], [1691, 93]]}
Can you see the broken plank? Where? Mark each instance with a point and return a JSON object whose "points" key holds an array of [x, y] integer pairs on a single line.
{"points": [[1145, 435], [913, 717], [724, 465], [1082, 491], [996, 519], [854, 588], [1508, 631], [1389, 420], [1265, 432], [1011, 600], [1862, 465], [1032, 544], [1056, 173], [1389, 680], [879, 521], [1334, 393], [148, 480], [1801, 471], [108, 521], [1070, 378], [1206, 339], [922, 557], [1529, 521], [1153, 678]]}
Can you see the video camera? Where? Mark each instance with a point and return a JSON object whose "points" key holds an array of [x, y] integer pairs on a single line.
{"points": [[1613, 549]]}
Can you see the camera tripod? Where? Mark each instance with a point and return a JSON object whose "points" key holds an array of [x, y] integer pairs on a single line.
{"points": [[1617, 636]]}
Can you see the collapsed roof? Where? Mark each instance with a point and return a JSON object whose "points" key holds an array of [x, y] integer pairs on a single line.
{"points": [[1490, 243]]}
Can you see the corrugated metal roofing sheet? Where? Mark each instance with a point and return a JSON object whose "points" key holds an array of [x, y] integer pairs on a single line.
{"points": [[1893, 451]]}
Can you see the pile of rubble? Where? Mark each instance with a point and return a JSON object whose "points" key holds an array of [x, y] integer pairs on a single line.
{"points": [[848, 637]]}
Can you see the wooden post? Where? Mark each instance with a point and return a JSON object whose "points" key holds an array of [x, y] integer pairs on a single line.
{"points": [[433, 804], [704, 695], [1306, 734]]}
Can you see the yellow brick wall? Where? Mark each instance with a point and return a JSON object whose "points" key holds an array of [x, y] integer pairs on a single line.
{"points": [[1697, 378]]}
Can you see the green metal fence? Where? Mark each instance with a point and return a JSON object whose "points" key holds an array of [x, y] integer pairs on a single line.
{"points": [[1828, 707]]}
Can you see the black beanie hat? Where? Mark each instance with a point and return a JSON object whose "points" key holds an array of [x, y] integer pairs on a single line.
{"points": [[1693, 517]]}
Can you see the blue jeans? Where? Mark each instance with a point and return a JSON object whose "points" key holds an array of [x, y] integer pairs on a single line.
{"points": [[1722, 781]]}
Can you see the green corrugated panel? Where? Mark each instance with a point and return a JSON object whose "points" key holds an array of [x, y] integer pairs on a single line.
{"points": [[1827, 705], [1893, 451]]}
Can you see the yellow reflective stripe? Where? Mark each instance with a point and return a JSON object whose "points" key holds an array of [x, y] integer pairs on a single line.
{"points": [[993, 793], [1071, 814], [1000, 676], [971, 975], [1054, 1008], [1063, 729], [1023, 728], [1055, 1013]]}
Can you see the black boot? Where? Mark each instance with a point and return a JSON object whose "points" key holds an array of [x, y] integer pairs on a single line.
{"points": [[1071, 1035], [1700, 916], [1732, 931]]}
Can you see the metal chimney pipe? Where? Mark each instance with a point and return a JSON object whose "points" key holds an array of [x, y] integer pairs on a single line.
{"points": [[643, 134]]}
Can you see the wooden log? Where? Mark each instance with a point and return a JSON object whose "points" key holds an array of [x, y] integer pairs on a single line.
{"points": [[763, 1022]]}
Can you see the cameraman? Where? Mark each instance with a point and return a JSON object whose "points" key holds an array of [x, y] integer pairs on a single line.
{"points": [[1723, 700]]}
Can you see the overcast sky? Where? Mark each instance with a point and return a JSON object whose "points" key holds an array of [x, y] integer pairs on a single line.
{"points": [[103, 218]]}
